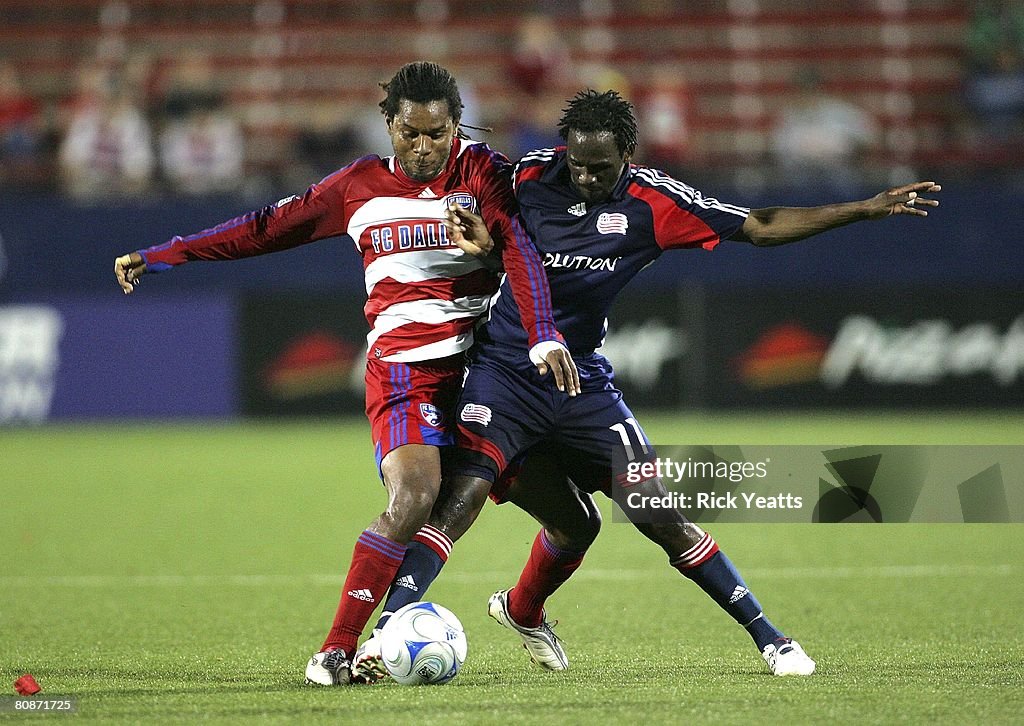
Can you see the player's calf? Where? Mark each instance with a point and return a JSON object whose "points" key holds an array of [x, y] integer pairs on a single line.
{"points": [[575, 533], [424, 557], [714, 573]]}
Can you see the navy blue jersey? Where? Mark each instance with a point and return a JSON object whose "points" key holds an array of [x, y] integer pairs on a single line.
{"points": [[590, 252]]}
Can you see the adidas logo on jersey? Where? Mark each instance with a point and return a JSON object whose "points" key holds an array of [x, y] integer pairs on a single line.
{"points": [[578, 210], [738, 594], [407, 582], [362, 594], [427, 193]]}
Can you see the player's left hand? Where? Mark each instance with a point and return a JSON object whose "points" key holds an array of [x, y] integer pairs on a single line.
{"points": [[906, 199], [468, 231]]}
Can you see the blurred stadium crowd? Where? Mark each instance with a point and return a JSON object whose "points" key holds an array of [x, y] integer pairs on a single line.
{"points": [[102, 98], [124, 122]]}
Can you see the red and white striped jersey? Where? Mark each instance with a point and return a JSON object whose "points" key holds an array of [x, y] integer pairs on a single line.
{"points": [[424, 295]]}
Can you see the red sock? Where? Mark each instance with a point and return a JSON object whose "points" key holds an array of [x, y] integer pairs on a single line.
{"points": [[374, 563], [545, 571]]}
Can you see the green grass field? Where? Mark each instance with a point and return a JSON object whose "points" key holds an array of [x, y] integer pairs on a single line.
{"points": [[181, 572]]}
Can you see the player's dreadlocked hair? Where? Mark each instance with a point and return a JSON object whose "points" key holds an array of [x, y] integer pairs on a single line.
{"points": [[421, 82], [608, 111]]}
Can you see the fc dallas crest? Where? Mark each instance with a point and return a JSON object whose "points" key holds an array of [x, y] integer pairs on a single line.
{"points": [[431, 414]]}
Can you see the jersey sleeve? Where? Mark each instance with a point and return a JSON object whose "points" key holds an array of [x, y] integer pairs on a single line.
{"points": [[522, 263], [531, 166], [291, 222], [683, 217]]}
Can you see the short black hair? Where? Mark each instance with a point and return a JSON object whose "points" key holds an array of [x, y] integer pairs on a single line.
{"points": [[421, 82], [592, 111]]}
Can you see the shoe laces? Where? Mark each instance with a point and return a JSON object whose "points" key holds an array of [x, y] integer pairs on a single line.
{"points": [[783, 646], [334, 660], [548, 628]]}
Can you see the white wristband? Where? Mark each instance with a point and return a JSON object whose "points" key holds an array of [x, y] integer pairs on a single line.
{"points": [[539, 351]]}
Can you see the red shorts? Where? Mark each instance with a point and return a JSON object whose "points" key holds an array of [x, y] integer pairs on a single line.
{"points": [[412, 403]]}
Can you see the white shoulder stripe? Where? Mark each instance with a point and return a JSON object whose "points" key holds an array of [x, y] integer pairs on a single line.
{"points": [[544, 155], [539, 155], [657, 178], [687, 193]]}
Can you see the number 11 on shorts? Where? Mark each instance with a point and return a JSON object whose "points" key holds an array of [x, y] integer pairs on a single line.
{"points": [[620, 429]]}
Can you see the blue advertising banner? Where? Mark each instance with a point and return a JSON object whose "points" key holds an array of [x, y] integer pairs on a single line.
{"points": [[89, 357]]}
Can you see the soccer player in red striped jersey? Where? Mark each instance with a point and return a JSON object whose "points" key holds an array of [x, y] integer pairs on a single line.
{"points": [[425, 295], [598, 220]]}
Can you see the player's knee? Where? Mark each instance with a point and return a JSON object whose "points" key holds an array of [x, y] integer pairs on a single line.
{"points": [[469, 491], [588, 529], [460, 502], [412, 496], [415, 502], [578, 533]]}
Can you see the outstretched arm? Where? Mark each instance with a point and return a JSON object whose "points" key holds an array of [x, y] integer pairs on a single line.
{"points": [[291, 222], [780, 225], [128, 269]]}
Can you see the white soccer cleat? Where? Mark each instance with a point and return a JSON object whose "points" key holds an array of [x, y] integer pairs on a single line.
{"points": [[328, 669], [785, 657], [368, 665], [544, 647]]}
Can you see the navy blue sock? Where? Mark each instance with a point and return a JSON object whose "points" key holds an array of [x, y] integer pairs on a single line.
{"points": [[424, 558], [707, 566]]}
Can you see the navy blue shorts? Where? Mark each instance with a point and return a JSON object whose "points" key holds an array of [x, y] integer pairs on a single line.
{"points": [[504, 411]]}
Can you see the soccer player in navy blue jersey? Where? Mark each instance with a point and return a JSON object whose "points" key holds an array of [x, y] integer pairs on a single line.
{"points": [[597, 220]]}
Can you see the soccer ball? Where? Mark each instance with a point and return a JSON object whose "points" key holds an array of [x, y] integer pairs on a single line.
{"points": [[423, 643]]}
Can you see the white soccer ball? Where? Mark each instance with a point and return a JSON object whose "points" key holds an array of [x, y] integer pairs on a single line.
{"points": [[423, 643]]}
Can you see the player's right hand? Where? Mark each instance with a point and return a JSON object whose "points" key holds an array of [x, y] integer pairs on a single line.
{"points": [[468, 231], [128, 269], [557, 360]]}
